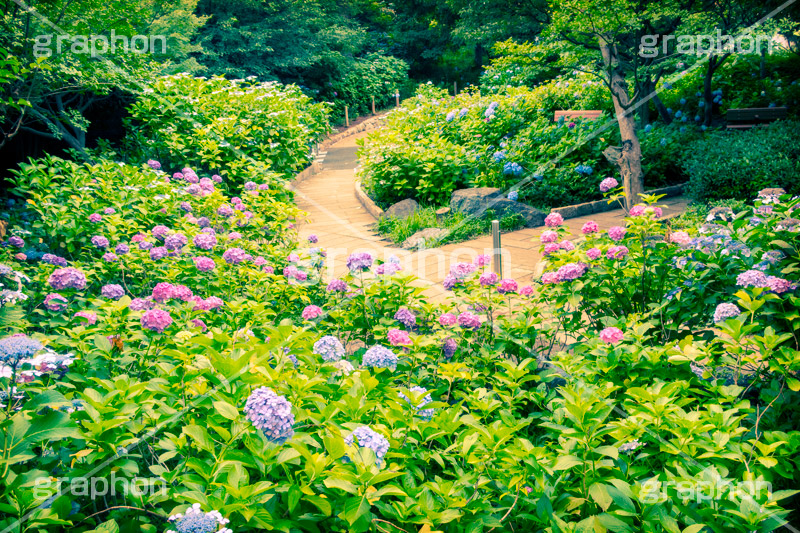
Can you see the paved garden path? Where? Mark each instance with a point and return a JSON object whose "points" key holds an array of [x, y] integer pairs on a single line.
{"points": [[343, 226]]}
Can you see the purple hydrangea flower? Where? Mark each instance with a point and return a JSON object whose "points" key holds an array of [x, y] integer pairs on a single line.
{"points": [[359, 262], [16, 241], [176, 241], [461, 270], [110, 257], [100, 242], [608, 184], [234, 256], [205, 241], [141, 304], [54, 260], [507, 286], [160, 232], [571, 271], [67, 278], [55, 302], [406, 317], [122, 249], [155, 165], [270, 413], [313, 239], [225, 210], [469, 320], [112, 291], [337, 285], [186, 206], [752, 278], [488, 279], [449, 347], [159, 252], [17, 347]]}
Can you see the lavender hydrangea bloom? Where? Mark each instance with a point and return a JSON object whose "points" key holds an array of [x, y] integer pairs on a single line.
{"points": [[203, 222], [752, 278], [234, 256], [380, 357], [425, 414], [462, 270], [406, 317], [100, 242], [359, 262], [157, 253], [160, 232], [337, 285], [571, 271], [122, 249], [17, 347], [16, 241], [367, 438], [205, 241], [270, 413], [469, 320], [141, 304], [112, 291], [488, 279], [176, 241], [67, 278], [725, 311], [449, 282], [631, 446], [449, 347], [54, 260], [329, 348]]}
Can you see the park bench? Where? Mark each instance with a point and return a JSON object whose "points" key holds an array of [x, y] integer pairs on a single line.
{"points": [[742, 119], [571, 114]]}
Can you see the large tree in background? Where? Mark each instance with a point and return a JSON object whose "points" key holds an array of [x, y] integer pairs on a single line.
{"points": [[47, 92], [604, 37]]}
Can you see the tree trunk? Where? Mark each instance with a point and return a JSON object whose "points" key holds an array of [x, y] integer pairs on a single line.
{"points": [[708, 98], [630, 158], [662, 110]]}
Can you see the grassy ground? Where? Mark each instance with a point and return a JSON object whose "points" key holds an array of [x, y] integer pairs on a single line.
{"points": [[461, 227]]}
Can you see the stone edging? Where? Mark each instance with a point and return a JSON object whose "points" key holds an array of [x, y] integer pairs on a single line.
{"points": [[316, 167], [601, 206], [371, 207]]}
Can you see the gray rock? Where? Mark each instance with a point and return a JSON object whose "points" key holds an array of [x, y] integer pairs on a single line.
{"points": [[420, 238], [533, 217], [403, 209], [473, 201]]}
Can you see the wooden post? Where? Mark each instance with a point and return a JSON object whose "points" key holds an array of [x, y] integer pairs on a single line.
{"points": [[455, 88], [346, 116], [397, 98], [497, 255], [373, 105]]}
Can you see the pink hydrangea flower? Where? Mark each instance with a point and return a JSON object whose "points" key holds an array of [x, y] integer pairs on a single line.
{"points": [[553, 220], [469, 320], [204, 264], [617, 252], [55, 302], [616, 233], [293, 258], [590, 227], [611, 335], [507, 286], [608, 184], [680, 237], [483, 260], [156, 320], [447, 319], [311, 311], [548, 236], [527, 290], [549, 278], [95, 218], [551, 247], [398, 337], [90, 316], [567, 245], [593, 253], [163, 292]]}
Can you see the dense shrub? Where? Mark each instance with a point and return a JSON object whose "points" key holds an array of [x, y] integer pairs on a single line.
{"points": [[375, 76], [435, 144], [240, 128], [737, 164], [476, 420]]}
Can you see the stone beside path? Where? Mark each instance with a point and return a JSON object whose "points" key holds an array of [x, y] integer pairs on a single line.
{"points": [[343, 227]]}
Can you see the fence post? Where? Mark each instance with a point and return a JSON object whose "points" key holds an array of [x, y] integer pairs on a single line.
{"points": [[373, 105], [497, 255], [455, 88], [346, 116], [397, 98]]}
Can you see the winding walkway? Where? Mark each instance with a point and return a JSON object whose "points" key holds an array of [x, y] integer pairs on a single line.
{"points": [[343, 227]]}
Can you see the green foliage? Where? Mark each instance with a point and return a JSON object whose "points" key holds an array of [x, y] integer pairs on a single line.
{"points": [[737, 164], [460, 226], [241, 128]]}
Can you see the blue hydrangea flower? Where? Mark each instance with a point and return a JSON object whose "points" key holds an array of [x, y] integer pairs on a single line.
{"points": [[270, 413], [451, 116], [380, 357], [329, 348], [196, 521], [513, 196], [499, 156], [512, 169], [463, 113], [425, 414], [17, 347], [449, 347], [683, 101], [648, 128], [364, 437]]}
